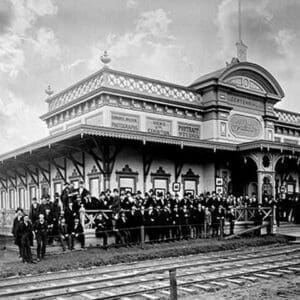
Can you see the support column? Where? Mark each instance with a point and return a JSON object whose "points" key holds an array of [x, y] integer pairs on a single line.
{"points": [[259, 186]]}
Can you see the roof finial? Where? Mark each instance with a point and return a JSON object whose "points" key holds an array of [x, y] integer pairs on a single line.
{"points": [[105, 59], [49, 91], [241, 47]]}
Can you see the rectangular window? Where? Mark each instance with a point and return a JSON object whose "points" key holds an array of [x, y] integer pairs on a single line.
{"points": [[45, 190], [32, 193], [94, 186], [127, 184], [11, 196], [22, 203], [190, 187], [58, 187], [3, 199], [160, 185]]}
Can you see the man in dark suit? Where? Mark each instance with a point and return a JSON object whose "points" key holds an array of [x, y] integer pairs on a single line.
{"points": [[40, 228], [116, 202], [175, 222], [134, 221], [151, 218], [122, 227], [63, 234], [77, 234], [65, 195], [83, 192], [34, 211], [70, 214], [18, 219], [101, 228], [24, 230]]}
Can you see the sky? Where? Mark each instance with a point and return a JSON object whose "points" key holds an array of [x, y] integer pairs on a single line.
{"points": [[59, 42]]}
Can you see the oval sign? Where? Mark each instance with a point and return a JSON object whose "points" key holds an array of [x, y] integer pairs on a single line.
{"points": [[245, 126]]}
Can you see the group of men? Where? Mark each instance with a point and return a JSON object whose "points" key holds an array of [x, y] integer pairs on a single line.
{"points": [[49, 220], [123, 214]]}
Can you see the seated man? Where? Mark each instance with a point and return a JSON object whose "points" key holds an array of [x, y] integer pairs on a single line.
{"points": [[101, 228], [63, 234], [77, 234]]}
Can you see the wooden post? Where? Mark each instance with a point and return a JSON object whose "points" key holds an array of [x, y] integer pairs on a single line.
{"points": [[173, 284], [205, 230], [142, 234], [272, 221], [82, 216]]}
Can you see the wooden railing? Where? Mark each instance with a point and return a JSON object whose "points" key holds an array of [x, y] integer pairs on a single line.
{"points": [[88, 217], [248, 214]]}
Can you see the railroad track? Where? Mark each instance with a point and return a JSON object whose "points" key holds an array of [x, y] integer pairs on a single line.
{"points": [[150, 279]]}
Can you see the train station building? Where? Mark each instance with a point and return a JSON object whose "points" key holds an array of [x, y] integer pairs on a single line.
{"points": [[112, 129]]}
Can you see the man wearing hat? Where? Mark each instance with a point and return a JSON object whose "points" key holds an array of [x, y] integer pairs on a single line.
{"points": [[17, 221], [34, 211], [65, 195], [82, 192]]}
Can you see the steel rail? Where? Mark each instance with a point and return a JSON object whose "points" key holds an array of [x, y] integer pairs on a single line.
{"points": [[163, 270], [225, 257]]}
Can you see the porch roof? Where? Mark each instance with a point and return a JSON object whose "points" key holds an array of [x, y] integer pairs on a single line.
{"points": [[81, 137]]}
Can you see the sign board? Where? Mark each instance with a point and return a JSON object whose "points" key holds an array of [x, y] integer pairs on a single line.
{"points": [[125, 121], [159, 126], [244, 126], [190, 131]]}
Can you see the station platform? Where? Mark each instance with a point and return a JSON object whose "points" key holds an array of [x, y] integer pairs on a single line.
{"points": [[290, 230]]}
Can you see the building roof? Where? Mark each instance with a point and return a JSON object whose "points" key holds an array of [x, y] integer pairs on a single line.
{"points": [[70, 139], [107, 78]]}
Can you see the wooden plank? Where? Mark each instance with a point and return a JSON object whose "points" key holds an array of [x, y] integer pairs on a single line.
{"points": [[235, 281]]}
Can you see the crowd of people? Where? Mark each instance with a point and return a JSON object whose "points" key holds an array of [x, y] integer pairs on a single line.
{"points": [[123, 214]]}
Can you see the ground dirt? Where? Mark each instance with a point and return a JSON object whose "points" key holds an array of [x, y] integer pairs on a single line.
{"points": [[287, 287]]}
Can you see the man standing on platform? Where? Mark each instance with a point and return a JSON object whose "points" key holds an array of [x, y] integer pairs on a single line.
{"points": [[17, 221], [40, 229]]}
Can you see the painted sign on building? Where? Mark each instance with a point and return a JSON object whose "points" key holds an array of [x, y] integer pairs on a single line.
{"points": [[125, 121], [240, 101], [244, 126], [190, 131], [159, 126]]}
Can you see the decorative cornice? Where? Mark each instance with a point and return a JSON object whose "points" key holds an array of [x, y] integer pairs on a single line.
{"points": [[124, 82]]}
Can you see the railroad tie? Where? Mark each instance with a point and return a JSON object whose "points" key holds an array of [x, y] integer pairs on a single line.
{"points": [[235, 281], [167, 293], [219, 284], [206, 288], [295, 269], [187, 290], [286, 271], [272, 273], [264, 276], [250, 278], [88, 296], [150, 297]]}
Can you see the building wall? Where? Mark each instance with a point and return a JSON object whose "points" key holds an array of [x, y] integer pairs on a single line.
{"points": [[205, 173]]}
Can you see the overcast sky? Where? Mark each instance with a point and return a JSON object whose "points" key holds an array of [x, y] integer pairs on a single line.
{"points": [[59, 42]]}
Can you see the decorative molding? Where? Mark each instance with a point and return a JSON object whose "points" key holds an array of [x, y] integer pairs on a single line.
{"points": [[127, 171], [57, 177], [246, 83], [190, 175], [160, 173]]}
